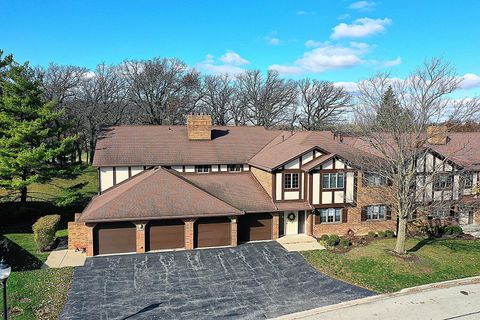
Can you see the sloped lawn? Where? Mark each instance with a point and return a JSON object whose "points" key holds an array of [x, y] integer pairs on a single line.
{"points": [[33, 293], [373, 267]]}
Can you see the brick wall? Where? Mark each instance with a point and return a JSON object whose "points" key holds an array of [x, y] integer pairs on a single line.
{"points": [[365, 196], [199, 127], [189, 233], [275, 224], [233, 231], [77, 235], [140, 235], [265, 179]]}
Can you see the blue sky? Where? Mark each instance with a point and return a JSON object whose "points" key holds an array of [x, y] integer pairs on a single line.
{"points": [[341, 41]]}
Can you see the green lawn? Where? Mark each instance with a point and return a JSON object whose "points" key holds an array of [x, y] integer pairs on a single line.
{"points": [[53, 190], [34, 293], [373, 267]]}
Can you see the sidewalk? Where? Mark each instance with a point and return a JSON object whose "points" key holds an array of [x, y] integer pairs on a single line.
{"points": [[458, 299], [65, 258]]}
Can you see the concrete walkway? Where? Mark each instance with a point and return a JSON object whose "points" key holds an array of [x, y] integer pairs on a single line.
{"points": [[300, 242], [65, 258], [472, 229], [458, 299]]}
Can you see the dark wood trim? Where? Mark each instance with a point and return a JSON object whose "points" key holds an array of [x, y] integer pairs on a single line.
{"points": [[114, 173], [274, 186], [129, 172], [99, 172]]}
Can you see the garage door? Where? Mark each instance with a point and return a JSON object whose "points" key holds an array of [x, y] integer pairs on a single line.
{"points": [[114, 238], [165, 234], [254, 227], [212, 232]]}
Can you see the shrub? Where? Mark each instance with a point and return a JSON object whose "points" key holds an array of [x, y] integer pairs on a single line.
{"points": [[381, 234], [452, 230], [44, 231], [344, 242], [372, 234], [324, 237], [333, 240], [389, 234]]}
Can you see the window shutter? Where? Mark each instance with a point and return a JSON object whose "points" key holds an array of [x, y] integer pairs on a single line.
{"points": [[388, 214], [364, 214], [364, 179], [344, 215], [317, 217], [389, 182]]}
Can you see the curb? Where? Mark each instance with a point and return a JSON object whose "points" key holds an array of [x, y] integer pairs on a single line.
{"points": [[380, 297]]}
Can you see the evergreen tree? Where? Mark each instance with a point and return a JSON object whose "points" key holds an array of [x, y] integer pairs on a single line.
{"points": [[391, 116], [34, 146]]}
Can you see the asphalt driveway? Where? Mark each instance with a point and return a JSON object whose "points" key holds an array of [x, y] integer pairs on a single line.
{"points": [[252, 281]]}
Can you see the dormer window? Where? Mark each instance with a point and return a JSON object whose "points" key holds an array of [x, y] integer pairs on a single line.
{"points": [[443, 182], [203, 169], [333, 180], [290, 181], [234, 168]]}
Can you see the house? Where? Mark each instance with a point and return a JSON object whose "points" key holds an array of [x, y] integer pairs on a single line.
{"points": [[198, 186]]}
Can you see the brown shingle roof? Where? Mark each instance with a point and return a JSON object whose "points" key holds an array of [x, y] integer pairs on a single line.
{"points": [[293, 206], [317, 161], [241, 190], [169, 145], [155, 194]]}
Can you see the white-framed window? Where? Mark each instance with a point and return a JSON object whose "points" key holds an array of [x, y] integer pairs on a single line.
{"points": [[203, 169], [333, 180], [290, 181], [331, 215], [443, 181], [377, 212], [374, 179], [468, 181], [234, 168], [441, 213]]}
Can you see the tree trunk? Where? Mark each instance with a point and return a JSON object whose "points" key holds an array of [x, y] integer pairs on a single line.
{"points": [[23, 191], [79, 153], [23, 197], [401, 235]]}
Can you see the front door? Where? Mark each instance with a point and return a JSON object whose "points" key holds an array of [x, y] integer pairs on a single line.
{"points": [[291, 222]]}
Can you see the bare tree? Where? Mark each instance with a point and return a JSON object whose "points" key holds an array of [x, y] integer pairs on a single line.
{"points": [[219, 98], [322, 103], [62, 82], [269, 100], [102, 101], [164, 90], [401, 142]]}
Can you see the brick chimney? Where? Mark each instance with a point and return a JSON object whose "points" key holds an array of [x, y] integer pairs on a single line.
{"points": [[437, 134], [199, 127]]}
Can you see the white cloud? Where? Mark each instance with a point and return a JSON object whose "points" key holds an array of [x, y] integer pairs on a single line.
{"points": [[344, 16], [359, 5], [286, 70], [272, 41], [314, 44], [391, 63], [324, 57], [470, 80], [348, 85], [231, 64], [233, 58], [362, 27]]}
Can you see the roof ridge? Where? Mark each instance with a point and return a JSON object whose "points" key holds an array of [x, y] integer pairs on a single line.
{"points": [[174, 173]]}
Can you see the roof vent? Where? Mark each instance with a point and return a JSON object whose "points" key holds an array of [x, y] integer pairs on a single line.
{"points": [[199, 127], [437, 135]]}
